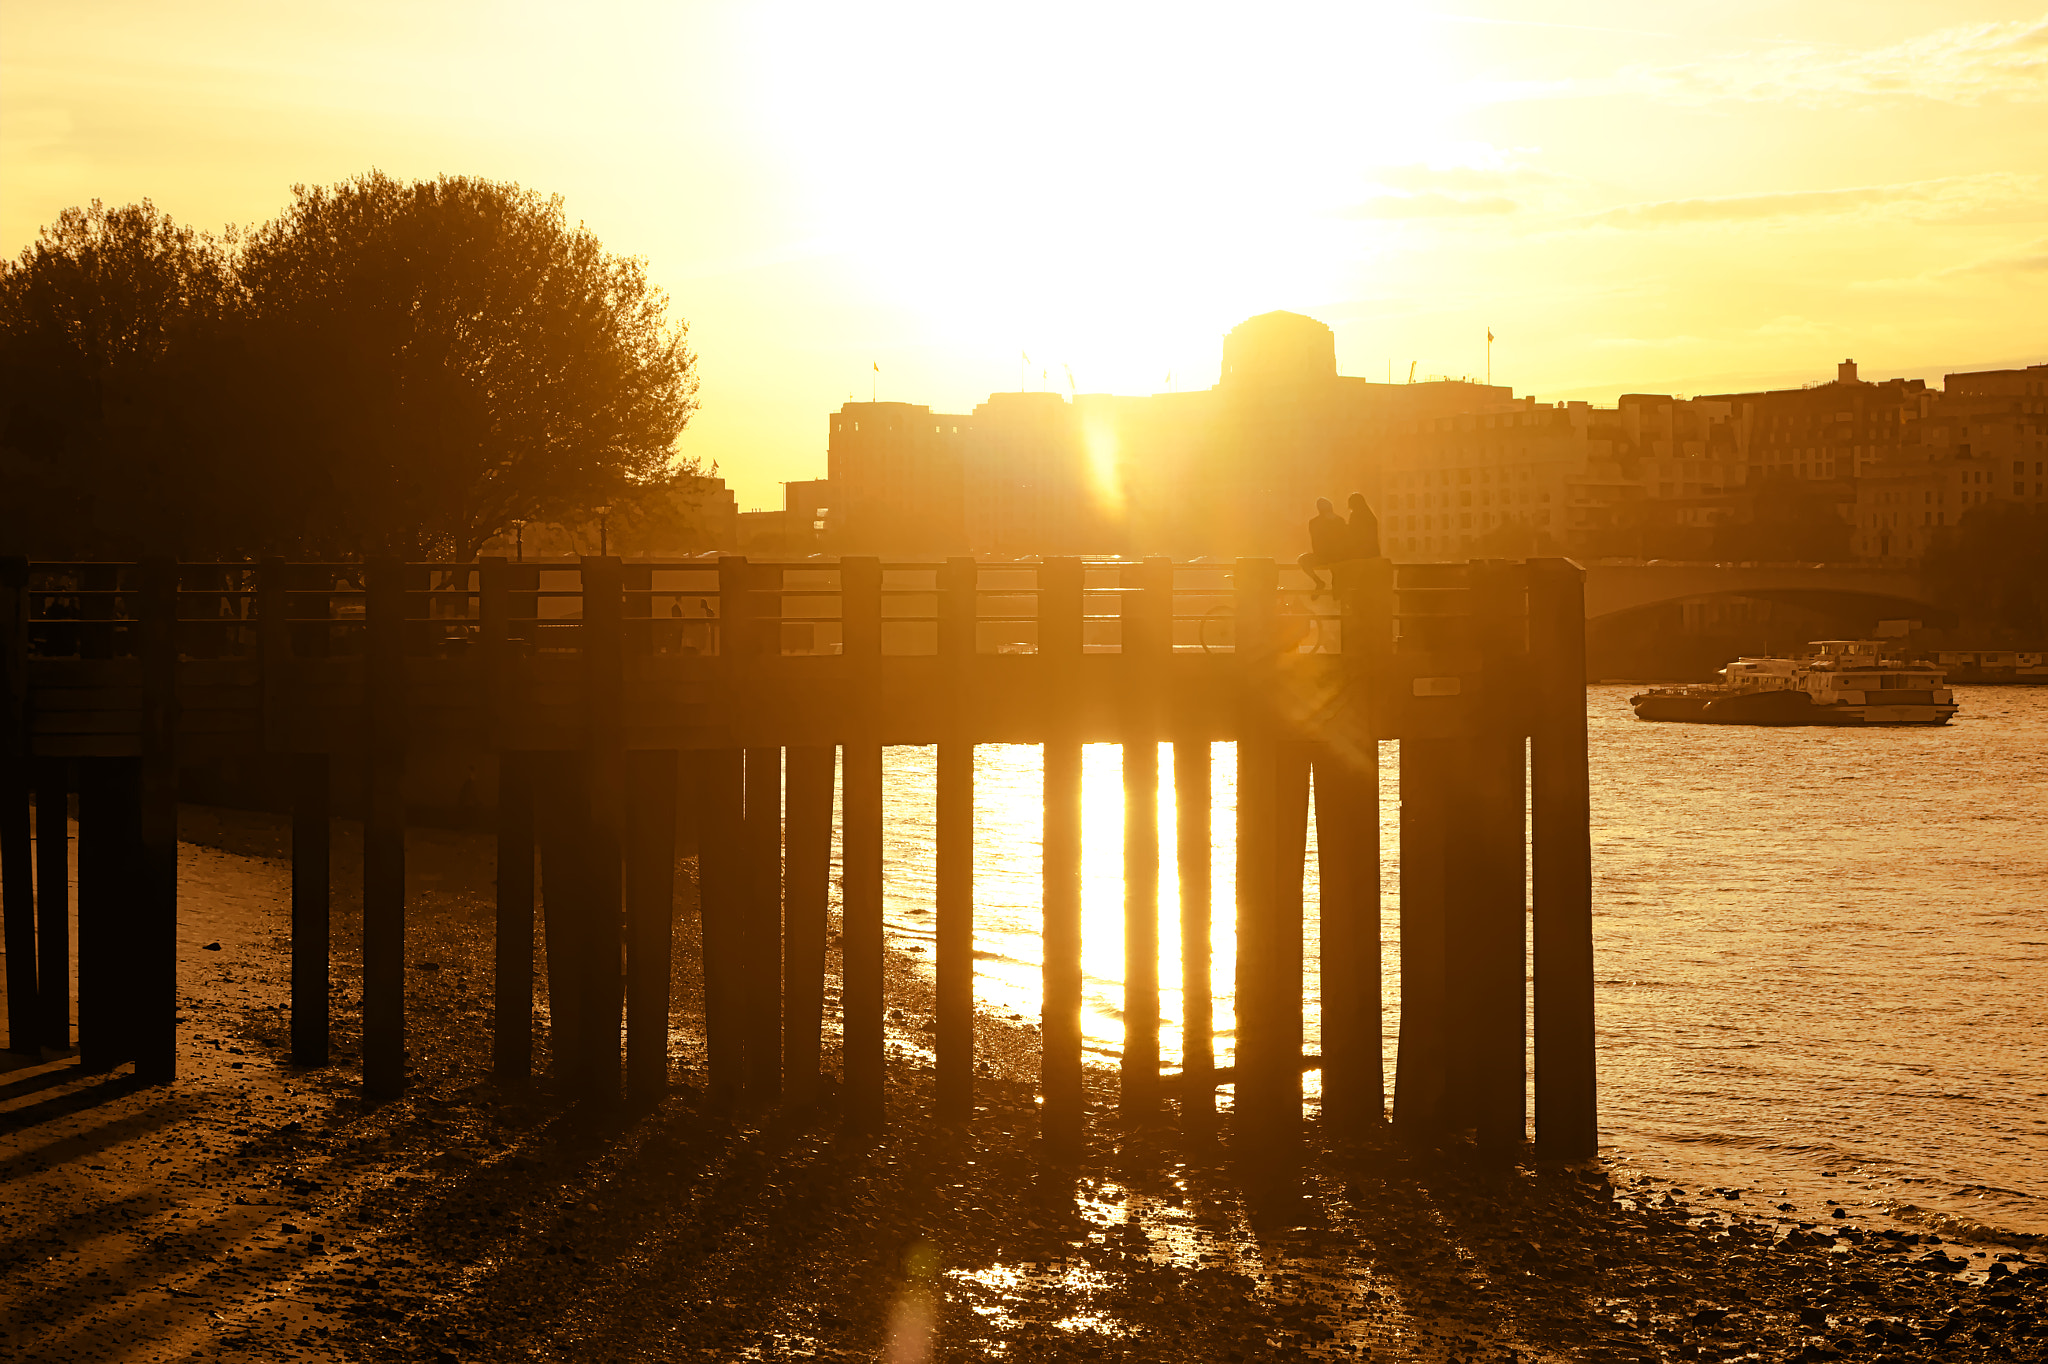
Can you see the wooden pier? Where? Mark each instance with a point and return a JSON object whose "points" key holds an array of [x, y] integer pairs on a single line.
{"points": [[600, 694]]}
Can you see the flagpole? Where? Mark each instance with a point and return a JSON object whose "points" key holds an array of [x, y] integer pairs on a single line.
{"points": [[1489, 357]]}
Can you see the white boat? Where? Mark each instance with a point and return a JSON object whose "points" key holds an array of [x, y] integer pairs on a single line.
{"points": [[1844, 682]]}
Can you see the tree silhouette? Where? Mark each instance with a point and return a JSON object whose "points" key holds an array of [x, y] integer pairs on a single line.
{"points": [[450, 356], [109, 330], [1992, 566], [385, 367]]}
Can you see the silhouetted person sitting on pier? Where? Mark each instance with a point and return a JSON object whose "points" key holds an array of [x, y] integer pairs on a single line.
{"points": [[1326, 536], [1363, 539]]}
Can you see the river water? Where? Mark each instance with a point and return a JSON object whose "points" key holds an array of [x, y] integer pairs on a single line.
{"points": [[1822, 954]]}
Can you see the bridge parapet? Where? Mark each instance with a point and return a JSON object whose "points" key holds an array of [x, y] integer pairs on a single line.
{"points": [[1613, 586]]}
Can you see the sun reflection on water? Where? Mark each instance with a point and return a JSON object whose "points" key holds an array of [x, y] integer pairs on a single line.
{"points": [[1009, 821]]}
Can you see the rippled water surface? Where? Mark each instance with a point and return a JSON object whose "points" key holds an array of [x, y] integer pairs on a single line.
{"points": [[1817, 949]]}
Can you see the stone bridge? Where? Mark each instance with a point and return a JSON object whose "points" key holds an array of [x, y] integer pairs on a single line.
{"points": [[1612, 587]]}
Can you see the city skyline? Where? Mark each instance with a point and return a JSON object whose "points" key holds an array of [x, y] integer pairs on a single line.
{"points": [[1110, 197]]}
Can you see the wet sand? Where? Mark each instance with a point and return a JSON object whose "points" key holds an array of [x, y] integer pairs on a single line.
{"points": [[256, 1211]]}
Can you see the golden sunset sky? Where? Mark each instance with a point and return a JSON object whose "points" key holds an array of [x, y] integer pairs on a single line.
{"points": [[1635, 197]]}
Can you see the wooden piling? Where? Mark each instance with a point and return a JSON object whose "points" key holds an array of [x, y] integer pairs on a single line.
{"points": [[312, 875], [50, 779], [720, 779], [1419, 1078], [1567, 1125], [650, 868], [18, 904], [307, 778], [383, 749], [863, 1076], [1272, 815], [1439, 669], [1347, 811], [1486, 909], [806, 915], [1290, 864], [1059, 651], [604, 756], [953, 870], [153, 876], [17, 868], [109, 838], [761, 979], [1192, 854], [512, 939], [1147, 611]]}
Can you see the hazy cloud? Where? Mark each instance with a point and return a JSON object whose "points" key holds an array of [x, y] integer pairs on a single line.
{"points": [[1949, 199], [2031, 259], [1968, 64]]}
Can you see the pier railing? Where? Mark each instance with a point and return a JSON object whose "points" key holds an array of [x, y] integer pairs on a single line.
{"points": [[596, 694]]}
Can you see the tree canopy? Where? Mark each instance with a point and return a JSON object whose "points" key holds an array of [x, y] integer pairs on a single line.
{"points": [[384, 367], [1992, 566]]}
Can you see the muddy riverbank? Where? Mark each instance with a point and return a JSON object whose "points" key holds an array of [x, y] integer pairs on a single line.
{"points": [[259, 1211]]}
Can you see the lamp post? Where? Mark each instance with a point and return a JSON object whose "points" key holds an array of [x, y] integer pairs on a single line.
{"points": [[518, 541], [604, 512]]}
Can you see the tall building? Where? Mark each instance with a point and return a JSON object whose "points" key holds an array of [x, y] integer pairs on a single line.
{"points": [[1652, 476], [895, 475], [1026, 479], [1453, 468], [1235, 469], [1982, 439]]}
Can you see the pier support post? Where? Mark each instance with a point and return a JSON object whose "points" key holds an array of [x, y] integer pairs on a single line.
{"points": [[1419, 1078], [1272, 815], [863, 1079], [109, 839], [512, 943], [312, 879], [17, 870], [1192, 855], [51, 781], [1487, 916], [806, 915], [604, 756], [562, 822], [1567, 1121], [512, 938], [953, 871], [384, 744], [1347, 796], [762, 928], [721, 905], [650, 871], [1147, 611], [1059, 651], [153, 876], [307, 778], [17, 903], [1347, 810]]}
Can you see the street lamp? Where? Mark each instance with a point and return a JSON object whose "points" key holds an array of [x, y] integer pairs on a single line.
{"points": [[519, 541], [604, 511]]}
